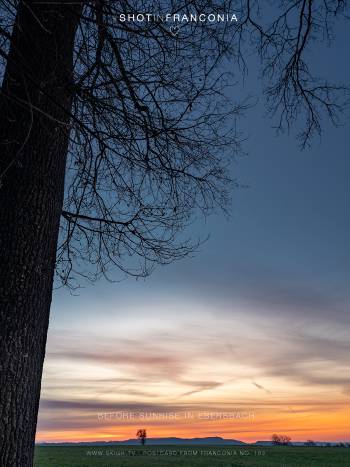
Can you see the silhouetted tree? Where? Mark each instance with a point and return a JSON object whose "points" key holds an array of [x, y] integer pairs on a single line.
{"points": [[141, 435], [280, 440], [113, 136]]}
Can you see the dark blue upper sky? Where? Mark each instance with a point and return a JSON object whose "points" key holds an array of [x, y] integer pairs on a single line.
{"points": [[290, 219]]}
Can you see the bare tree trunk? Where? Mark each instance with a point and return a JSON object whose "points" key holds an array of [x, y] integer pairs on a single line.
{"points": [[34, 129]]}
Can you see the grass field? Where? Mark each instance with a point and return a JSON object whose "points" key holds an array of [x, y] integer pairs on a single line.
{"points": [[190, 456]]}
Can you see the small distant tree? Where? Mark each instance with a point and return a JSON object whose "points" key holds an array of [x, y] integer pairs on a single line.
{"points": [[142, 435], [280, 440], [285, 440]]}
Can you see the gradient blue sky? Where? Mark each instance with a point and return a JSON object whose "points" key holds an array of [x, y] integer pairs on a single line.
{"points": [[259, 317]]}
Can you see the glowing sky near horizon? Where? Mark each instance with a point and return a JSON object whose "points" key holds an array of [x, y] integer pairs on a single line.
{"points": [[197, 369]]}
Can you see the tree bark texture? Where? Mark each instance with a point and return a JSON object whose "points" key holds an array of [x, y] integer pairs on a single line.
{"points": [[35, 102]]}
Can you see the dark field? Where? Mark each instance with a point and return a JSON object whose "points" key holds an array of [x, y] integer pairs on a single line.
{"points": [[188, 456]]}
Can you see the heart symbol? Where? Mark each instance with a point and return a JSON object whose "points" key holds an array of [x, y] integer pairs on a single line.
{"points": [[174, 30]]}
